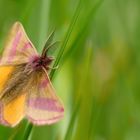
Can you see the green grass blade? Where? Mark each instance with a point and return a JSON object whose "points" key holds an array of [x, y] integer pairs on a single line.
{"points": [[83, 32], [68, 34], [28, 131], [84, 114], [72, 121]]}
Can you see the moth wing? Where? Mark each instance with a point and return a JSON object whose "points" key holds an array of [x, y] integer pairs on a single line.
{"points": [[5, 72], [18, 48], [43, 106], [12, 113]]}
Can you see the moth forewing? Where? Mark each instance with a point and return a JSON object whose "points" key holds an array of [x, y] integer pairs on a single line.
{"points": [[45, 107], [18, 48], [16, 85]]}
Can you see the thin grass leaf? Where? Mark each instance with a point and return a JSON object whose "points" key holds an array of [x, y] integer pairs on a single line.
{"points": [[94, 119], [72, 121], [83, 32], [68, 34], [28, 131], [15, 133], [85, 108]]}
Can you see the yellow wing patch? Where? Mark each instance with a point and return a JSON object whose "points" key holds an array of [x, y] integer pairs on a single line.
{"points": [[13, 112], [5, 71]]}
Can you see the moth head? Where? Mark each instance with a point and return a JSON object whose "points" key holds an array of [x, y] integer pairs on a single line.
{"points": [[44, 60], [40, 61]]}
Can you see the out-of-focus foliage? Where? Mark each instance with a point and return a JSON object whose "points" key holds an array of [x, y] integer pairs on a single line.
{"points": [[98, 77]]}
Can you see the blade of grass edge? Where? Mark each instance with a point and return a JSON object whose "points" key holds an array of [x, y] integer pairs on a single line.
{"points": [[86, 25], [72, 121], [87, 62], [28, 131], [87, 65], [66, 39]]}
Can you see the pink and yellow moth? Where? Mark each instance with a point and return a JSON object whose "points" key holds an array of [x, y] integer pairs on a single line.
{"points": [[25, 87]]}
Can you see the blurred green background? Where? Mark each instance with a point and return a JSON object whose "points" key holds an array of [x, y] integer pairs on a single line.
{"points": [[98, 77]]}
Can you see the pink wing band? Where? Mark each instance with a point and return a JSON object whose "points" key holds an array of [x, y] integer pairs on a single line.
{"points": [[18, 48], [27, 46], [44, 104], [14, 46]]}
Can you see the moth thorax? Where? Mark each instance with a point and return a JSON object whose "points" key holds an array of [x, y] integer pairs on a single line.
{"points": [[39, 62]]}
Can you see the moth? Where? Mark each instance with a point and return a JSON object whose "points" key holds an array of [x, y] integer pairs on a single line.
{"points": [[25, 87]]}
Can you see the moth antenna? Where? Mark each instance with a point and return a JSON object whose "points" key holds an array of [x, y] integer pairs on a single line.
{"points": [[48, 42], [45, 50]]}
